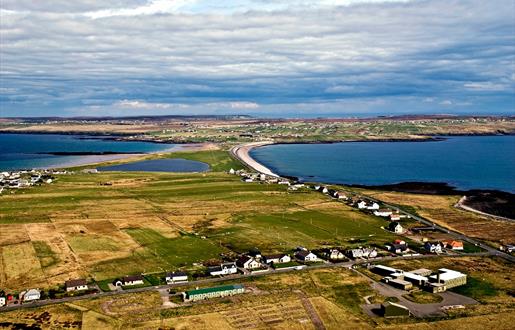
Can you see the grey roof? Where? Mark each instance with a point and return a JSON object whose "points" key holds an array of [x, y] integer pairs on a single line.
{"points": [[173, 274]]}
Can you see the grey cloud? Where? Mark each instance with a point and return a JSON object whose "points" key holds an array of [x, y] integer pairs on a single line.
{"points": [[449, 50]]}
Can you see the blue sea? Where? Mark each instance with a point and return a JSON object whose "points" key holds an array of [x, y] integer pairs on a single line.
{"points": [[471, 162], [26, 151]]}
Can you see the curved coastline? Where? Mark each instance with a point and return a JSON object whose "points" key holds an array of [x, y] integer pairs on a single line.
{"points": [[242, 153]]}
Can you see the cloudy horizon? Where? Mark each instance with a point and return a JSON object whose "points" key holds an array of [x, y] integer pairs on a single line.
{"points": [[259, 57]]}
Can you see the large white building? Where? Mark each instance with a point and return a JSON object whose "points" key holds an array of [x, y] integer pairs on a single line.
{"points": [[448, 277]]}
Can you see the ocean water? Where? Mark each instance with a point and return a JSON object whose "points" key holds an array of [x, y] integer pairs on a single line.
{"points": [[159, 165], [24, 151], [471, 162]]}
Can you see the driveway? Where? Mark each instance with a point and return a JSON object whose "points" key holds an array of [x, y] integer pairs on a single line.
{"points": [[419, 310]]}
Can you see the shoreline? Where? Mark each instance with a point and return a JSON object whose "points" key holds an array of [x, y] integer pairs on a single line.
{"points": [[96, 159], [242, 153]]}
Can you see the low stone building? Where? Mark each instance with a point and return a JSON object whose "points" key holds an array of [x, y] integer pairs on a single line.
{"points": [[214, 292], [390, 309]]}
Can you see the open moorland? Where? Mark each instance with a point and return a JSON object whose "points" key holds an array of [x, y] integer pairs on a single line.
{"points": [[244, 129], [150, 222]]}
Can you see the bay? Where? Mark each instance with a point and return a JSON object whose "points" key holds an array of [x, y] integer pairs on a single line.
{"points": [[27, 151], [465, 162]]}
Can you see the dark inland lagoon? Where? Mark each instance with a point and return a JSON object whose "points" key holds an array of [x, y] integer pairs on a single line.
{"points": [[159, 165], [465, 162], [26, 151]]}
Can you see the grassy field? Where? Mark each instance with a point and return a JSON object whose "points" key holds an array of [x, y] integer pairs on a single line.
{"points": [[277, 301], [308, 130], [441, 210], [152, 222]]}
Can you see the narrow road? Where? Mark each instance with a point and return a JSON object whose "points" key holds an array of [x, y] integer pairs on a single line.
{"points": [[347, 264], [313, 315], [453, 233], [241, 152]]}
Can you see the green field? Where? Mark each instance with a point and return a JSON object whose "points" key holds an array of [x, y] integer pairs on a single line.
{"points": [[153, 222], [46, 256]]}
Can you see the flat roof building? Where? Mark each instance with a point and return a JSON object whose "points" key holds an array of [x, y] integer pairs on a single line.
{"points": [[383, 270], [422, 271], [415, 278], [398, 283], [449, 277]]}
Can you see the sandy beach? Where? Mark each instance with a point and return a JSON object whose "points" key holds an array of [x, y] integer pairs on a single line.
{"points": [[241, 152]]}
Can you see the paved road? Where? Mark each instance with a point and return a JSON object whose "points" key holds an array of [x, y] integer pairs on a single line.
{"points": [[347, 264], [423, 310], [238, 154], [241, 152], [453, 233]]}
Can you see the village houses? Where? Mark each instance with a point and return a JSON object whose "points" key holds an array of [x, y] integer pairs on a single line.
{"points": [[395, 227], [76, 285], [277, 258], [305, 255], [176, 277], [30, 295], [224, 269], [453, 245], [383, 212], [433, 247], [130, 280], [362, 253], [248, 262]]}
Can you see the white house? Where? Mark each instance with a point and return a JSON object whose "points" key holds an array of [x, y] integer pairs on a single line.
{"points": [[130, 280], [232, 171], [383, 213], [362, 253], [176, 277], [248, 262], [224, 269], [2, 301], [395, 227], [433, 247], [340, 195], [335, 254], [30, 295], [306, 256], [76, 285], [277, 258], [362, 205], [374, 206]]}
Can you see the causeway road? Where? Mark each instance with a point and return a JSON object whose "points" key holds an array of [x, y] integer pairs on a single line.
{"points": [[241, 152]]}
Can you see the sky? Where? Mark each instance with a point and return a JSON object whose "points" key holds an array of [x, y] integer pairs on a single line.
{"points": [[270, 58]]}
